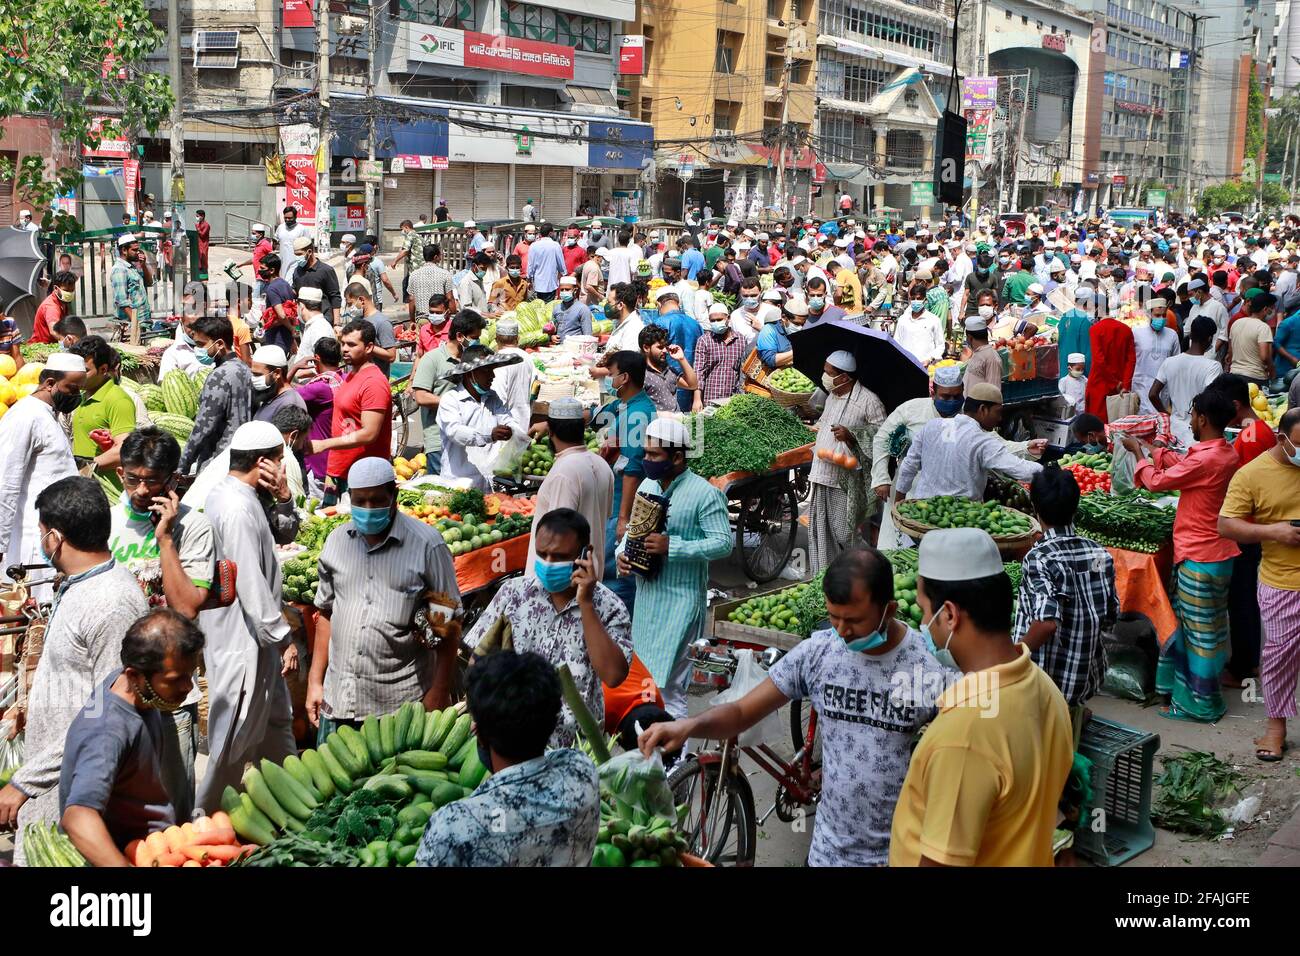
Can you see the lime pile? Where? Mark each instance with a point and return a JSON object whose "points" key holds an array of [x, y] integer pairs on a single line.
{"points": [[791, 380], [952, 511], [538, 459], [473, 533]]}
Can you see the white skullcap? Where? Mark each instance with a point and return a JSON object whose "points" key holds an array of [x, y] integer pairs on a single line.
{"points": [[732, 224], [797, 306], [65, 362], [126, 238], [1195, 284], [762, 237], [975, 324], [668, 292], [841, 243], [949, 376], [349, 238], [958, 554], [769, 313], [1056, 266], [568, 280], [470, 224], [508, 327], [798, 260], [271, 355], [256, 436], [259, 227], [565, 409], [719, 308], [843, 360], [311, 294], [669, 431], [602, 253], [1075, 358], [773, 295], [1035, 289], [371, 473], [1084, 294]]}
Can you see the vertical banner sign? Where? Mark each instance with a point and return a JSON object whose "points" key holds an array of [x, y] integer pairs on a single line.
{"points": [[631, 55], [979, 123], [300, 186], [950, 158], [131, 183], [297, 14]]}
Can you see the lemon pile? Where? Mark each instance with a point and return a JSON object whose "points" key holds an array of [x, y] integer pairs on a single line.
{"points": [[16, 383], [1267, 412]]}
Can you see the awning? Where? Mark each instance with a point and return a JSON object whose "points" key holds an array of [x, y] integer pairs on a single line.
{"points": [[845, 45], [591, 96], [805, 160], [732, 154]]}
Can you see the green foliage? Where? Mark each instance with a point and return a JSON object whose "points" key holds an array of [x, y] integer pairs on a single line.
{"points": [[1227, 195], [55, 55], [1254, 117]]}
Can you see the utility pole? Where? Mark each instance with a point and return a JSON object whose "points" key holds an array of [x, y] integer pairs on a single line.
{"points": [[1189, 202], [785, 116], [372, 214], [1020, 139], [180, 247], [323, 119]]}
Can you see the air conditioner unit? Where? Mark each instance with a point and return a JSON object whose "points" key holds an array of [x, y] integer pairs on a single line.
{"points": [[351, 26], [216, 49]]}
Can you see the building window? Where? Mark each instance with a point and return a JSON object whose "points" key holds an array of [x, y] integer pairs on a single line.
{"points": [[458, 14], [528, 22]]}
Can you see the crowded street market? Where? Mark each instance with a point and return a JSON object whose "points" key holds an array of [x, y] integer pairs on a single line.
{"points": [[621, 533]]}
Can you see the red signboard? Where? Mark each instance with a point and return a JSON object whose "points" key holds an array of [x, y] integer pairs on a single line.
{"points": [[511, 54], [300, 186], [117, 148], [631, 56], [297, 13], [1142, 109], [1054, 41], [1119, 180]]}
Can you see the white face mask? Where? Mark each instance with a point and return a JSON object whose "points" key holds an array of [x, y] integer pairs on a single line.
{"points": [[986, 311]]}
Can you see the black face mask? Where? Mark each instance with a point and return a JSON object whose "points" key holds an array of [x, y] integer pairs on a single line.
{"points": [[66, 402]]}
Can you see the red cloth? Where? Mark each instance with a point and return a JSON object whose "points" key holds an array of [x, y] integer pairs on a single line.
{"points": [[574, 258], [637, 688], [260, 250], [1114, 355], [431, 336], [366, 390], [204, 229], [1202, 475], [49, 312], [1255, 439]]}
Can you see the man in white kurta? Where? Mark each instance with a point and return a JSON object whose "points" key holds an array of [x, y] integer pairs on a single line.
{"points": [[34, 453], [513, 384], [1153, 347], [249, 713]]}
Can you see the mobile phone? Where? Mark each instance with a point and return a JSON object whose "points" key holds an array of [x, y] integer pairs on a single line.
{"points": [[586, 552]]}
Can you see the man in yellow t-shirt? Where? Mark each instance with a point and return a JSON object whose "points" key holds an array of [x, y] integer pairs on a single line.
{"points": [[984, 782], [1262, 507]]}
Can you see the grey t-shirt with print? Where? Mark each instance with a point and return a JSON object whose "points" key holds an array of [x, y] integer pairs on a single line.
{"points": [[869, 707]]}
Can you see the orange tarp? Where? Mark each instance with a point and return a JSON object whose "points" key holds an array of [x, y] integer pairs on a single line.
{"points": [[481, 567], [1140, 581]]}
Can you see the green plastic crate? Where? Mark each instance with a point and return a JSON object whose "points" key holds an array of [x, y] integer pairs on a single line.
{"points": [[1123, 772]]}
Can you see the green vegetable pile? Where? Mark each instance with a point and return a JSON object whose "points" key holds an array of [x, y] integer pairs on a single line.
{"points": [[307, 849], [1131, 522], [356, 818], [954, 511], [301, 573], [410, 497], [782, 426], [1192, 787], [1013, 570], [1007, 492], [1097, 461], [41, 352], [746, 434], [468, 501], [314, 531], [791, 380]]}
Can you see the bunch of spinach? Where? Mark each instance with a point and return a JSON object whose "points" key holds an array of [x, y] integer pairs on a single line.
{"points": [[1191, 788]]}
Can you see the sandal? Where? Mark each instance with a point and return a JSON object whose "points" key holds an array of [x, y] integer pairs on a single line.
{"points": [[1269, 754]]}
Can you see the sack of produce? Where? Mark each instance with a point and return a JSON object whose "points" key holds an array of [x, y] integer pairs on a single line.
{"points": [[749, 674], [639, 782]]}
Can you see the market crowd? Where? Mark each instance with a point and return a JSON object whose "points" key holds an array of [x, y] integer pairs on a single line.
{"points": [[166, 552]]}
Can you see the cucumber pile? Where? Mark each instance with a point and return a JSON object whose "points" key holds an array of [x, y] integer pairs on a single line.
{"points": [[1097, 461], [954, 511], [791, 380], [473, 533], [360, 787]]}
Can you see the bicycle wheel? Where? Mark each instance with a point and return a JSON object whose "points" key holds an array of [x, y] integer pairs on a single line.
{"points": [[799, 711], [765, 529], [720, 824]]}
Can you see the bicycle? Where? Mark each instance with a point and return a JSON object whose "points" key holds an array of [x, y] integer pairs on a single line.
{"points": [[721, 822], [120, 330]]}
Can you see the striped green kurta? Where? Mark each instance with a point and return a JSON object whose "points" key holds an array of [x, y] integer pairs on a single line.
{"points": [[671, 607]]}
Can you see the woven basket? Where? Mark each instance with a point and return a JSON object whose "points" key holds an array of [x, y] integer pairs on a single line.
{"points": [[788, 399], [918, 530]]}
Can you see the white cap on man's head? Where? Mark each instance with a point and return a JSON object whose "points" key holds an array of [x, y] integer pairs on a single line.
{"points": [[373, 472], [65, 362], [126, 238], [958, 554], [719, 308], [843, 360], [255, 436], [470, 224], [257, 226], [669, 431], [311, 295], [271, 355]]}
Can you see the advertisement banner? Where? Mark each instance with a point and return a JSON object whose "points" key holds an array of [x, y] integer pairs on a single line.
{"points": [[115, 148], [514, 55], [435, 45], [346, 218], [1157, 198], [979, 126], [409, 161], [370, 170], [131, 182], [300, 186], [979, 93], [297, 14], [923, 194], [631, 55]]}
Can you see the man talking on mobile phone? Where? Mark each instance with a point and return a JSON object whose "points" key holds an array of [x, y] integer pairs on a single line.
{"points": [[171, 550]]}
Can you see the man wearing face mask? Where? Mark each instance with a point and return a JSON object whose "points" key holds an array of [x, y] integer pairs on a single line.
{"points": [[919, 332], [429, 280], [820, 306], [54, 307], [226, 401], [983, 784], [955, 456], [773, 345], [841, 503], [376, 571], [272, 389], [745, 320], [472, 415], [92, 609], [314, 328], [522, 247], [508, 291], [1153, 344], [181, 354], [671, 607], [105, 407], [313, 271], [560, 610], [569, 315], [37, 454], [113, 787], [718, 357], [867, 716]]}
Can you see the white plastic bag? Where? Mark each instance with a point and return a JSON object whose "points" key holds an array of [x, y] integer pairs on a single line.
{"points": [[749, 674]]}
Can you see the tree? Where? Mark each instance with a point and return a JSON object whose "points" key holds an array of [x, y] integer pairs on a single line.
{"points": [[1229, 195], [1254, 117], [62, 59]]}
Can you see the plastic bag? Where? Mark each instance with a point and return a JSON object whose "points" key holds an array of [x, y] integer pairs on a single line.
{"points": [[640, 782], [11, 751], [1123, 464], [509, 453], [749, 674], [1131, 656]]}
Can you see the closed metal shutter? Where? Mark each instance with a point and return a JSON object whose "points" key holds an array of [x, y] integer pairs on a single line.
{"points": [[491, 191], [413, 195], [458, 190], [557, 183], [528, 185]]}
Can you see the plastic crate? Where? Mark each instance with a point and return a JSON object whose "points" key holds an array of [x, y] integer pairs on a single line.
{"points": [[1123, 771]]}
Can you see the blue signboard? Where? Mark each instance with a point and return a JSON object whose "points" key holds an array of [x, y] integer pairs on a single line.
{"points": [[619, 145], [424, 135]]}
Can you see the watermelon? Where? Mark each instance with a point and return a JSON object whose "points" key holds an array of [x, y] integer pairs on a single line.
{"points": [[152, 396], [178, 426], [178, 394]]}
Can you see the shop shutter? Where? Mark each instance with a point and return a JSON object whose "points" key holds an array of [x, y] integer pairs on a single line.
{"points": [[528, 185], [458, 190], [413, 196], [491, 191], [557, 184]]}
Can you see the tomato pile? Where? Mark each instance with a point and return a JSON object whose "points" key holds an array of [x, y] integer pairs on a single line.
{"points": [[1089, 479]]}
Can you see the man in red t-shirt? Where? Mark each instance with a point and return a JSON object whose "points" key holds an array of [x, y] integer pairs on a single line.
{"points": [[362, 425], [54, 307], [204, 229], [574, 254]]}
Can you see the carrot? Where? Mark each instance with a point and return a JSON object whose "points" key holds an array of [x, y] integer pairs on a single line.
{"points": [[175, 837], [226, 854], [201, 825], [132, 851], [212, 862], [189, 831], [156, 843], [222, 820], [215, 838], [191, 863], [170, 858]]}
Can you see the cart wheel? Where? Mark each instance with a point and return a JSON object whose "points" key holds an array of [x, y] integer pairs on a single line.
{"points": [[802, 486], [769, 518], [402, 416]]}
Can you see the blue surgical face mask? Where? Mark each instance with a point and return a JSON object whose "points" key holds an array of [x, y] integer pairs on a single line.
{"points": [[203, 357], [477, 389], [718, 328], [372, 520], [1093, 447], [1157, 324], [750, 301], [1294, 458], [868, 643], [185, 337], [554, 577], [817, 303], [941, 654], [566, 297], [514, 273], [916, 305], [947, 407]]}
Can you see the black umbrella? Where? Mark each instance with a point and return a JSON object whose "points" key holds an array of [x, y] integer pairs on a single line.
{"points": [[883, 366], [20, 265]]}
